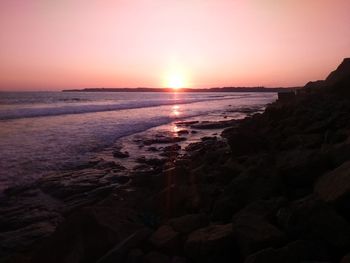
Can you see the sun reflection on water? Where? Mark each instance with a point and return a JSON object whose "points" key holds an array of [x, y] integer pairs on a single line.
{"points": [[175, 111]]}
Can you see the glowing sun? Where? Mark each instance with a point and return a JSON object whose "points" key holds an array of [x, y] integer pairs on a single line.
{"points": [[175, 81]]}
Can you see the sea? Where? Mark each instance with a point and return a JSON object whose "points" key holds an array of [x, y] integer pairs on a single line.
{"points": [[42, 132]]}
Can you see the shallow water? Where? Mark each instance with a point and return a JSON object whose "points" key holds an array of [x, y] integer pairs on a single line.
{"points": [[44, 131]]}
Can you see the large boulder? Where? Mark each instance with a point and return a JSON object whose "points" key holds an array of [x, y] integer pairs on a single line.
{"points": [[261, 209], [300, 168], [188, 223], [253, 233], [210, 244], [313, 219], [243, 142], [88, 234], [250, 186], [334, 186], [166, 239]]}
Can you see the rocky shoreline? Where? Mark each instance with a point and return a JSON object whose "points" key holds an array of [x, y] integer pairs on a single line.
{"points": [[276, 188], [32, 212]]}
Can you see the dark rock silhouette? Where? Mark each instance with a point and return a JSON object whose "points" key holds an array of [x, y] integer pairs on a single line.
{"points": [[340, 74]]}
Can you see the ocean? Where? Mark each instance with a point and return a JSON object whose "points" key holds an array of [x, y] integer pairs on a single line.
{"points": [[52, 131]]}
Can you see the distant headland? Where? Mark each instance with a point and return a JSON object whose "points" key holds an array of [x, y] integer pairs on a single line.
{"points": [[223, 89]]}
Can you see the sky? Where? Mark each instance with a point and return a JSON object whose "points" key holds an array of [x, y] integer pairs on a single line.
{"points": [[54, 45]]}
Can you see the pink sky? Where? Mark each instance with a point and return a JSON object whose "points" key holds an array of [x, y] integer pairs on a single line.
{"points": [[51, 45]]}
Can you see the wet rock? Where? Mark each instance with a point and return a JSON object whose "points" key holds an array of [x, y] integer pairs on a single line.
{"points": [[109, 165], [210, 244], [185, 123], [182, 132], [151, 161], [188, 223], [172, 148], [143, 170], [207, 138], [152, 149], [120, 179], [213, 125], [170, 155], [120, 154], [166, 239], [163, 140]]}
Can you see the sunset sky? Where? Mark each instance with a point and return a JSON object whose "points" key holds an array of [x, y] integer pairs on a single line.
{"points": [[52, 45]]}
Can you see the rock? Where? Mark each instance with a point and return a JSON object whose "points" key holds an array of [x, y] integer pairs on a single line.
{"points": [[250, 186], [166, 239], [163, 139], [109, 165], [342, 72], [152, 149], [301, 168], [334, 187], [295, 252], [119, 179], [185, 123], [135, 256], [188, 223], [151, 161], [87, 235], [246, 142], [183, 132], [213, 124], [120, 252], [119, 154], [210, 244], [156, 257], [345, 259], [339, 154], [261, 209], [312, 218], [172, 148], [253, 233], [208, 138]]}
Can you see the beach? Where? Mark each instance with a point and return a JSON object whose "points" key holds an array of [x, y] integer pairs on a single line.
{"points": [[41, 189]]}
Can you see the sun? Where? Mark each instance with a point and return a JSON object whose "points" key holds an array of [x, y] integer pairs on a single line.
{"points": [[175, 81]]}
